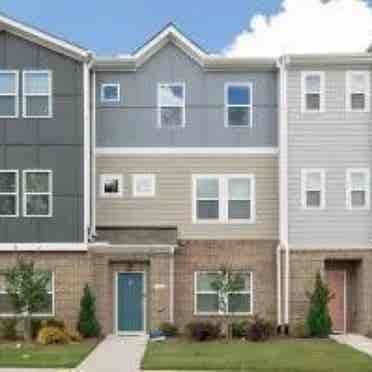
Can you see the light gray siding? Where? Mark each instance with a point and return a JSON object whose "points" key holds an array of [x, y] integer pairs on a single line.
{"points": [[133, 122], [172, 205], [334, 140], [55, 144]]}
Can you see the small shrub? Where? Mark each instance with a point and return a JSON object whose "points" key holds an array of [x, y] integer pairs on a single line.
{"points": [[8, 328], [52, 335], [239, 329], [259, 329], [203, 331], [53, 322], [88, 324], [169, 329], [300, 330]]}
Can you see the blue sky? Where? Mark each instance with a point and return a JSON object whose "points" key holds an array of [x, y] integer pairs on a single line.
{"points": [[119, 26]]}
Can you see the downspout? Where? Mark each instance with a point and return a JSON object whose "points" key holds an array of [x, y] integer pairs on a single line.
{"points": [[93, 161], [279, 286], [171, 286]]}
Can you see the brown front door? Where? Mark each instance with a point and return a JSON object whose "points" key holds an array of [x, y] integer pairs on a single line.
{"points": [[337, 285]]}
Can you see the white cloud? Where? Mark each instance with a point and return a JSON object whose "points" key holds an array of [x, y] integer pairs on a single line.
{"points": [[307, 26]]}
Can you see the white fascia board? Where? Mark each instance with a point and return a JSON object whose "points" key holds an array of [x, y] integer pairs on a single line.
{"points": [[43, 247]]}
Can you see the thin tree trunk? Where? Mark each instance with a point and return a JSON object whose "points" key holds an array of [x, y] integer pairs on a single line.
{"points": [[27, 327]]}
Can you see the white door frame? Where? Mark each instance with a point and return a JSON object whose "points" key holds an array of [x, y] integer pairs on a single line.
{"points": [[144, 303]]}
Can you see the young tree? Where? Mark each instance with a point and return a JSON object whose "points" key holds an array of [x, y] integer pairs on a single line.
{"points": [[318, 319], [28, 292], [227, 281]]}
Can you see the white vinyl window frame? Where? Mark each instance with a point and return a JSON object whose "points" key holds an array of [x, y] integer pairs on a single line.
{"points": [[25, 94], [102, 180], [366, 90], [161, 105], [245, 84], [50, 292], [136, 179], [49, 193], [110, 100], [365, 188], [14, 94], [16, 193], [220, 312], [223, 199], [305, 92], [322, 188]]}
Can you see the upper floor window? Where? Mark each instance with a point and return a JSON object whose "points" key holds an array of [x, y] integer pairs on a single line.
{"points": [[357, 90], [143, 185], [110, 93], [357, 189], [238, 105], [111, 186], [8, 193], [313, 188], [312, 91], [171, 105], [37, 193], [224, 198], [37, 94], [8, 94]]}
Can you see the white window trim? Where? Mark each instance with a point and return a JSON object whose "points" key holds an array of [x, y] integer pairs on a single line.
{"points": [[49, 193], [349, 189], [110, 100], [227, 105], [102, 186], [52, 292], [349, 76], [15, 94], [16, 193], [220, 312], [25, 95], [223, 199], [137, 178], [304, 175], [304, 75], [183, 106]]}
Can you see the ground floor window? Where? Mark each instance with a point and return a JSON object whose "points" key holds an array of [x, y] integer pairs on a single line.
{"points": [[6, 307], [209, 302]]}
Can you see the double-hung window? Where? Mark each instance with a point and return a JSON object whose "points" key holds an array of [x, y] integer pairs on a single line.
{"points": [[238, 105], [313, 188], [110, 93], [37, 94], [358, 189], [223, 198], [208, 301], [171, 105], [312, 91], [357, 91], [37, 193], [9, 94], [9, 193]]}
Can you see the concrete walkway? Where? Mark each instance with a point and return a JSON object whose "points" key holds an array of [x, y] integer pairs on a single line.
{"points": [[358, 342], [116, 354]]}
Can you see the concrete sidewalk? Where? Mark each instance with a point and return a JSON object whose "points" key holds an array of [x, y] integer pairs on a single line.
{"points": [[358, 342]]}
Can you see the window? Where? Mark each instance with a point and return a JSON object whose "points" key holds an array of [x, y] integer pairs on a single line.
{"points": [[37, 193], [238, 105], [357, 189], [37, 94], [110, 93], [111, 186], [143, 185], [209, 302], [9, 193], [171, 105], [312, 91], [223, 198], [6, 307], [313, 188], [9, 94], [357, 91]]}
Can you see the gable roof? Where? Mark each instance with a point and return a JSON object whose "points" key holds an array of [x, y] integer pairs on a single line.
{"points": [[43, 38]]}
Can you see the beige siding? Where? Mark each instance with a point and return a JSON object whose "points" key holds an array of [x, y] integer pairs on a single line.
{"points": [[172, 205]]}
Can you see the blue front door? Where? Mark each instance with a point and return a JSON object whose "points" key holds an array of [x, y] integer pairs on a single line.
{"points": [[130, 302]]}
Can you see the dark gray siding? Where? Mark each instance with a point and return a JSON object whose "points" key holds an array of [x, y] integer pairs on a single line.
{"points": [[55, 144], [133, 122]]}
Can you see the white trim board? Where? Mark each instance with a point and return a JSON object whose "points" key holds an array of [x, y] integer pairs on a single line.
{"points": [[186, 151], [45, 247]]}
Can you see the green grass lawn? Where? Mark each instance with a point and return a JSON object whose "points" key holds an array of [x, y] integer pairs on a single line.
{"points": [[272, 356], [39, 356]]}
